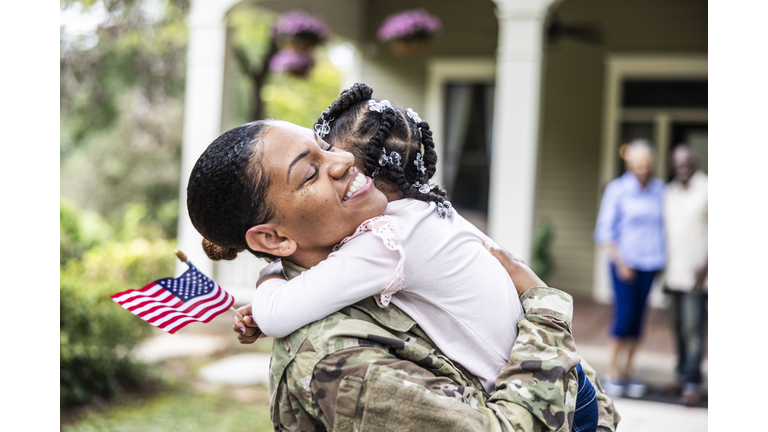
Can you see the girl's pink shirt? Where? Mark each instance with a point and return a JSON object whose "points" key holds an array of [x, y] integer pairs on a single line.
{"points": [[439, 272]]}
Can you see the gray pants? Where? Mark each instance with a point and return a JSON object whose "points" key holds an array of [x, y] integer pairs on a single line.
{"points": [[687, 314]]}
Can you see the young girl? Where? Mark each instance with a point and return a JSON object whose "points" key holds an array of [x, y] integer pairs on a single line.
{"points": [[420, 254], [420, 249]]}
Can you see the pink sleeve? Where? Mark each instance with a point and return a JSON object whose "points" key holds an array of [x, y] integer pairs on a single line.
{"points": [[369, 263]]}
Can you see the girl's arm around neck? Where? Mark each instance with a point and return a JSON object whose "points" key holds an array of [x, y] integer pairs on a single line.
{"points": [[361, 268]]}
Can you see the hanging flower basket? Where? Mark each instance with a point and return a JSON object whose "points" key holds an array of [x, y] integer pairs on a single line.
{"points": [[415, 47], [409, 32], [294, 62], [300, 30]]}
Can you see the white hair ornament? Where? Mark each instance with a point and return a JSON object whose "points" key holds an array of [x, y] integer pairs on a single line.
{"points": [[394, 158], [414, 116], [325, 128], [443, 209], [379, 106]]}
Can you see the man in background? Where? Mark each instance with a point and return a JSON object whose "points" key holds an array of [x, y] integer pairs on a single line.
{"points": [[685, 219]]}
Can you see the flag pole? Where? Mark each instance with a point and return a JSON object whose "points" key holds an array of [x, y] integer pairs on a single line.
{"points": [[183, 259]]}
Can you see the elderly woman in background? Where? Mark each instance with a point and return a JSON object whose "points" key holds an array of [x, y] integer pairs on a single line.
{"points": [[630, 227]]}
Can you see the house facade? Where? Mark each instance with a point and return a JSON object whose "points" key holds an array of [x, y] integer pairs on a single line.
{"points": [[530, 102]]}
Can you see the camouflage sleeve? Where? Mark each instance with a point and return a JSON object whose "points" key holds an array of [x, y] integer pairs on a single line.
{"points": [[540, 375]]}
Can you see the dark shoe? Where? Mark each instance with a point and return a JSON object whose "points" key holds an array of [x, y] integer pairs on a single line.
{"points": [[673, 389], [691, 396]]}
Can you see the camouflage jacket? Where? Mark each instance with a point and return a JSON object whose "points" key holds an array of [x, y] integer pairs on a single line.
{"points": [[365, 368]]}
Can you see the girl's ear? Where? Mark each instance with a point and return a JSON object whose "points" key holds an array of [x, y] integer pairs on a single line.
{"points": [[264, 238]]}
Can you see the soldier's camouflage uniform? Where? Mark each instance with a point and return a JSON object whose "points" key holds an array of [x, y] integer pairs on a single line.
{"points": [[365, 368]]}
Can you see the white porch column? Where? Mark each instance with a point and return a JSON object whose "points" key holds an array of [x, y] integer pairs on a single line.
{"points": [[202, 108], [516, 123]]}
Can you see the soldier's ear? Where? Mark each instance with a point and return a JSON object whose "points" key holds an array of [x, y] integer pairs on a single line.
{"points": [[265, 238]]}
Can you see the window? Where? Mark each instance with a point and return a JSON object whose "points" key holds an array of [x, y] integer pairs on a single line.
{"points": [[466, 156], [459, 109], [664, 93]]}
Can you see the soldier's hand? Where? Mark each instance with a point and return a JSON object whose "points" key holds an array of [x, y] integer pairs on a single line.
{"points": [[522, 275], [248, 331]]}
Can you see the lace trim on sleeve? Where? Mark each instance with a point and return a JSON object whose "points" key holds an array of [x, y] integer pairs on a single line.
{"points": [[381, 227]]}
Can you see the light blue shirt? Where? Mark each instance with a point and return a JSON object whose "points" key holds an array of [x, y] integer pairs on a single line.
{"points": [[632, 218]]}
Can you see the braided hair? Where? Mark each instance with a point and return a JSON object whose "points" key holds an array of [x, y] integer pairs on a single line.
{"points": [[387, 143]]}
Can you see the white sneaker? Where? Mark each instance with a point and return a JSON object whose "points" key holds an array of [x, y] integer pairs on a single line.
{"points": [[612, 389], [635, 389]]}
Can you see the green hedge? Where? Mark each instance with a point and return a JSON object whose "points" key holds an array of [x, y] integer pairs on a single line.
{"points": [[96, 334], [541, 258]]}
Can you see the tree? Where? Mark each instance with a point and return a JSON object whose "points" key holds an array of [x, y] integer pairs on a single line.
{"points": [[121, 86], [263, 45], [122, 90]]}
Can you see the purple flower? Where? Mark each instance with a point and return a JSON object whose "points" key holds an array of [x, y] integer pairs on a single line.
{"points": [[290, 60], [299, 24], [416, 23]]}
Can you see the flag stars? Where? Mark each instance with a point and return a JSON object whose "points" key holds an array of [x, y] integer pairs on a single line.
{"points": [[190, 285]]}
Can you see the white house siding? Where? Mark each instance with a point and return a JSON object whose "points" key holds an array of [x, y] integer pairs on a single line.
{"points": [[568, 189]]}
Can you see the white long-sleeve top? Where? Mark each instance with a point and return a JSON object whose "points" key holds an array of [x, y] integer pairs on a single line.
{"points": [[459, 293]]}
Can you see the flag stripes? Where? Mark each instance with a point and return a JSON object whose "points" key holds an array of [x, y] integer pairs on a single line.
{"points": [[159, 302]]}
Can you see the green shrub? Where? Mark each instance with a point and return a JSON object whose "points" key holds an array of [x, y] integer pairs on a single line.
{"points": [[79, 231], [96, 334], [541, 258]]}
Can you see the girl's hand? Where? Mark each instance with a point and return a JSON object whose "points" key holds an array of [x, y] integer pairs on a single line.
{"points": [[522, 275], [248, 331]]}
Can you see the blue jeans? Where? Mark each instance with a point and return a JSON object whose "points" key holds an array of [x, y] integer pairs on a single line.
{"points": [[687, 312], [585, 417], [629, 303]]}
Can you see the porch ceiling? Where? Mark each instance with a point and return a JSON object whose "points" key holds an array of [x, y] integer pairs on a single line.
{"points": [[344, 17], [468, 28]]}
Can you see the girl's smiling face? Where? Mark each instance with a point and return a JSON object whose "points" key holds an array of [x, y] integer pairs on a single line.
{"points": [[319, 195]]}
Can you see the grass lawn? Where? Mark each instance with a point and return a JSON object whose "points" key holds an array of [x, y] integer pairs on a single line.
{"points": [[181, 409], [178, 401]]}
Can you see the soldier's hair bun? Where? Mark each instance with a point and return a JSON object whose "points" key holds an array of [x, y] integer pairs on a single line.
{"points": [[218, 253]]}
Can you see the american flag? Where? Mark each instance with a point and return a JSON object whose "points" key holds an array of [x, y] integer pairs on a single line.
{"points": [[172, 303]]}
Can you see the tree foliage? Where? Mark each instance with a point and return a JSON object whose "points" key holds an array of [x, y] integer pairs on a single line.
{"points": [[121, 130], [96, 334], [121, 107], [122, 101]]}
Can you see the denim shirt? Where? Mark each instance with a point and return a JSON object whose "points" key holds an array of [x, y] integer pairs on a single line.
{"points": [[632, 218]]}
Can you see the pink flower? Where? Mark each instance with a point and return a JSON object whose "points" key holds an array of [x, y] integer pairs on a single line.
{"points": [[301, 24], [290, 60], [416, 23]]}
